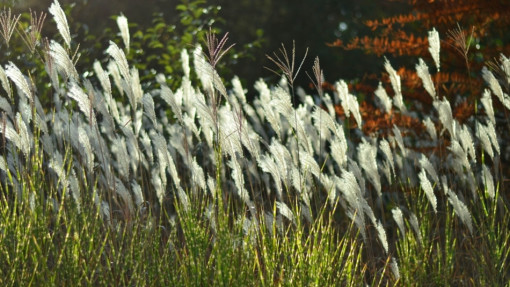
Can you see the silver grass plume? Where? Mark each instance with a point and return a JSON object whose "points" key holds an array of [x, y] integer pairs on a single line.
{"points": [[167, 95], [198, 174], [104, 80], [400, 140], [445, 116], [466, 141], [352, 194], [349, 102], [434, 46], [309, 164], [384, 146], [17, 77], [122, 22], [394, 268], [427, 166], [285, 211], [367, 158], [86, 149], [124, 194], [6, 107], [185, 62], [488, 181], [423, 72], [489, 77], [431, 128], [487, 105], [61, 59], [399, 219], [383, 99], [137, 192], [207, 73], [237, 175], [83, 101], [461, 209], [25, 138], [267, 164], [427, 188], [323, 122], [148, 107], [120, 60], [5, 82], [119, 149], [413, 221], [60, 18], [381, 233], [395, 83]]}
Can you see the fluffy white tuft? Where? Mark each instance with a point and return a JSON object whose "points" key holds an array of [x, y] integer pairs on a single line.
{"points": [[395, 83], [60, 18], [122, 22], [17, 77], [427, 188], [423, 72], [383, 99], [434, 46]]}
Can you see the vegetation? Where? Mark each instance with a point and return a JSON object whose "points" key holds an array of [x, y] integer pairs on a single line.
{"points": [[107, 180]]}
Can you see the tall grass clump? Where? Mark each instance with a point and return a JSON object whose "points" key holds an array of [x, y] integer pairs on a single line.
{"points": [[107, 182]]}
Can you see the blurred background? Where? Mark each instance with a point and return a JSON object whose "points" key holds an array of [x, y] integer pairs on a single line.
{"points": [[257, 27]]}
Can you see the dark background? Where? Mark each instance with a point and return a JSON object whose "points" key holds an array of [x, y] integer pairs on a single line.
{"points": [[311, 23]]}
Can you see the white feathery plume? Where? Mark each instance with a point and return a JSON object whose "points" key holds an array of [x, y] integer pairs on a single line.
{"points": [[423, 72], [309, 164], [207, 74], [83, 101], [119, 149], [86, 150], [167, 95], [137, 192], [461, 210], [395, 83], [281, 156], [136, 94], [356, 170], [413, 221], [434, 47], [367, 158], [483, 135], [148, 107], [488, 181], [267, 164], [113, 70], [427, 165], [384, 146], [399, 219], [491, 131], [57, 165], [60, 18], [122, 191], [122, 22], [489, 77], [399, 139], [6, 107], [352, 193], [285, 211], [185, 62], [198, 174], [17, 77], [487, 105], [5, 82], [343, 93], [120, 60], [466, 141], [104, 80], [281, 102], [25, 139], [63, 62], [427, 188], [323, 123], [383, 99], [238, 90], [445, 115], [459, 153], [3, 165], [75, 189], [431, 128], [237, 175], [394, 268], [382, 236], [158, 185]]}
